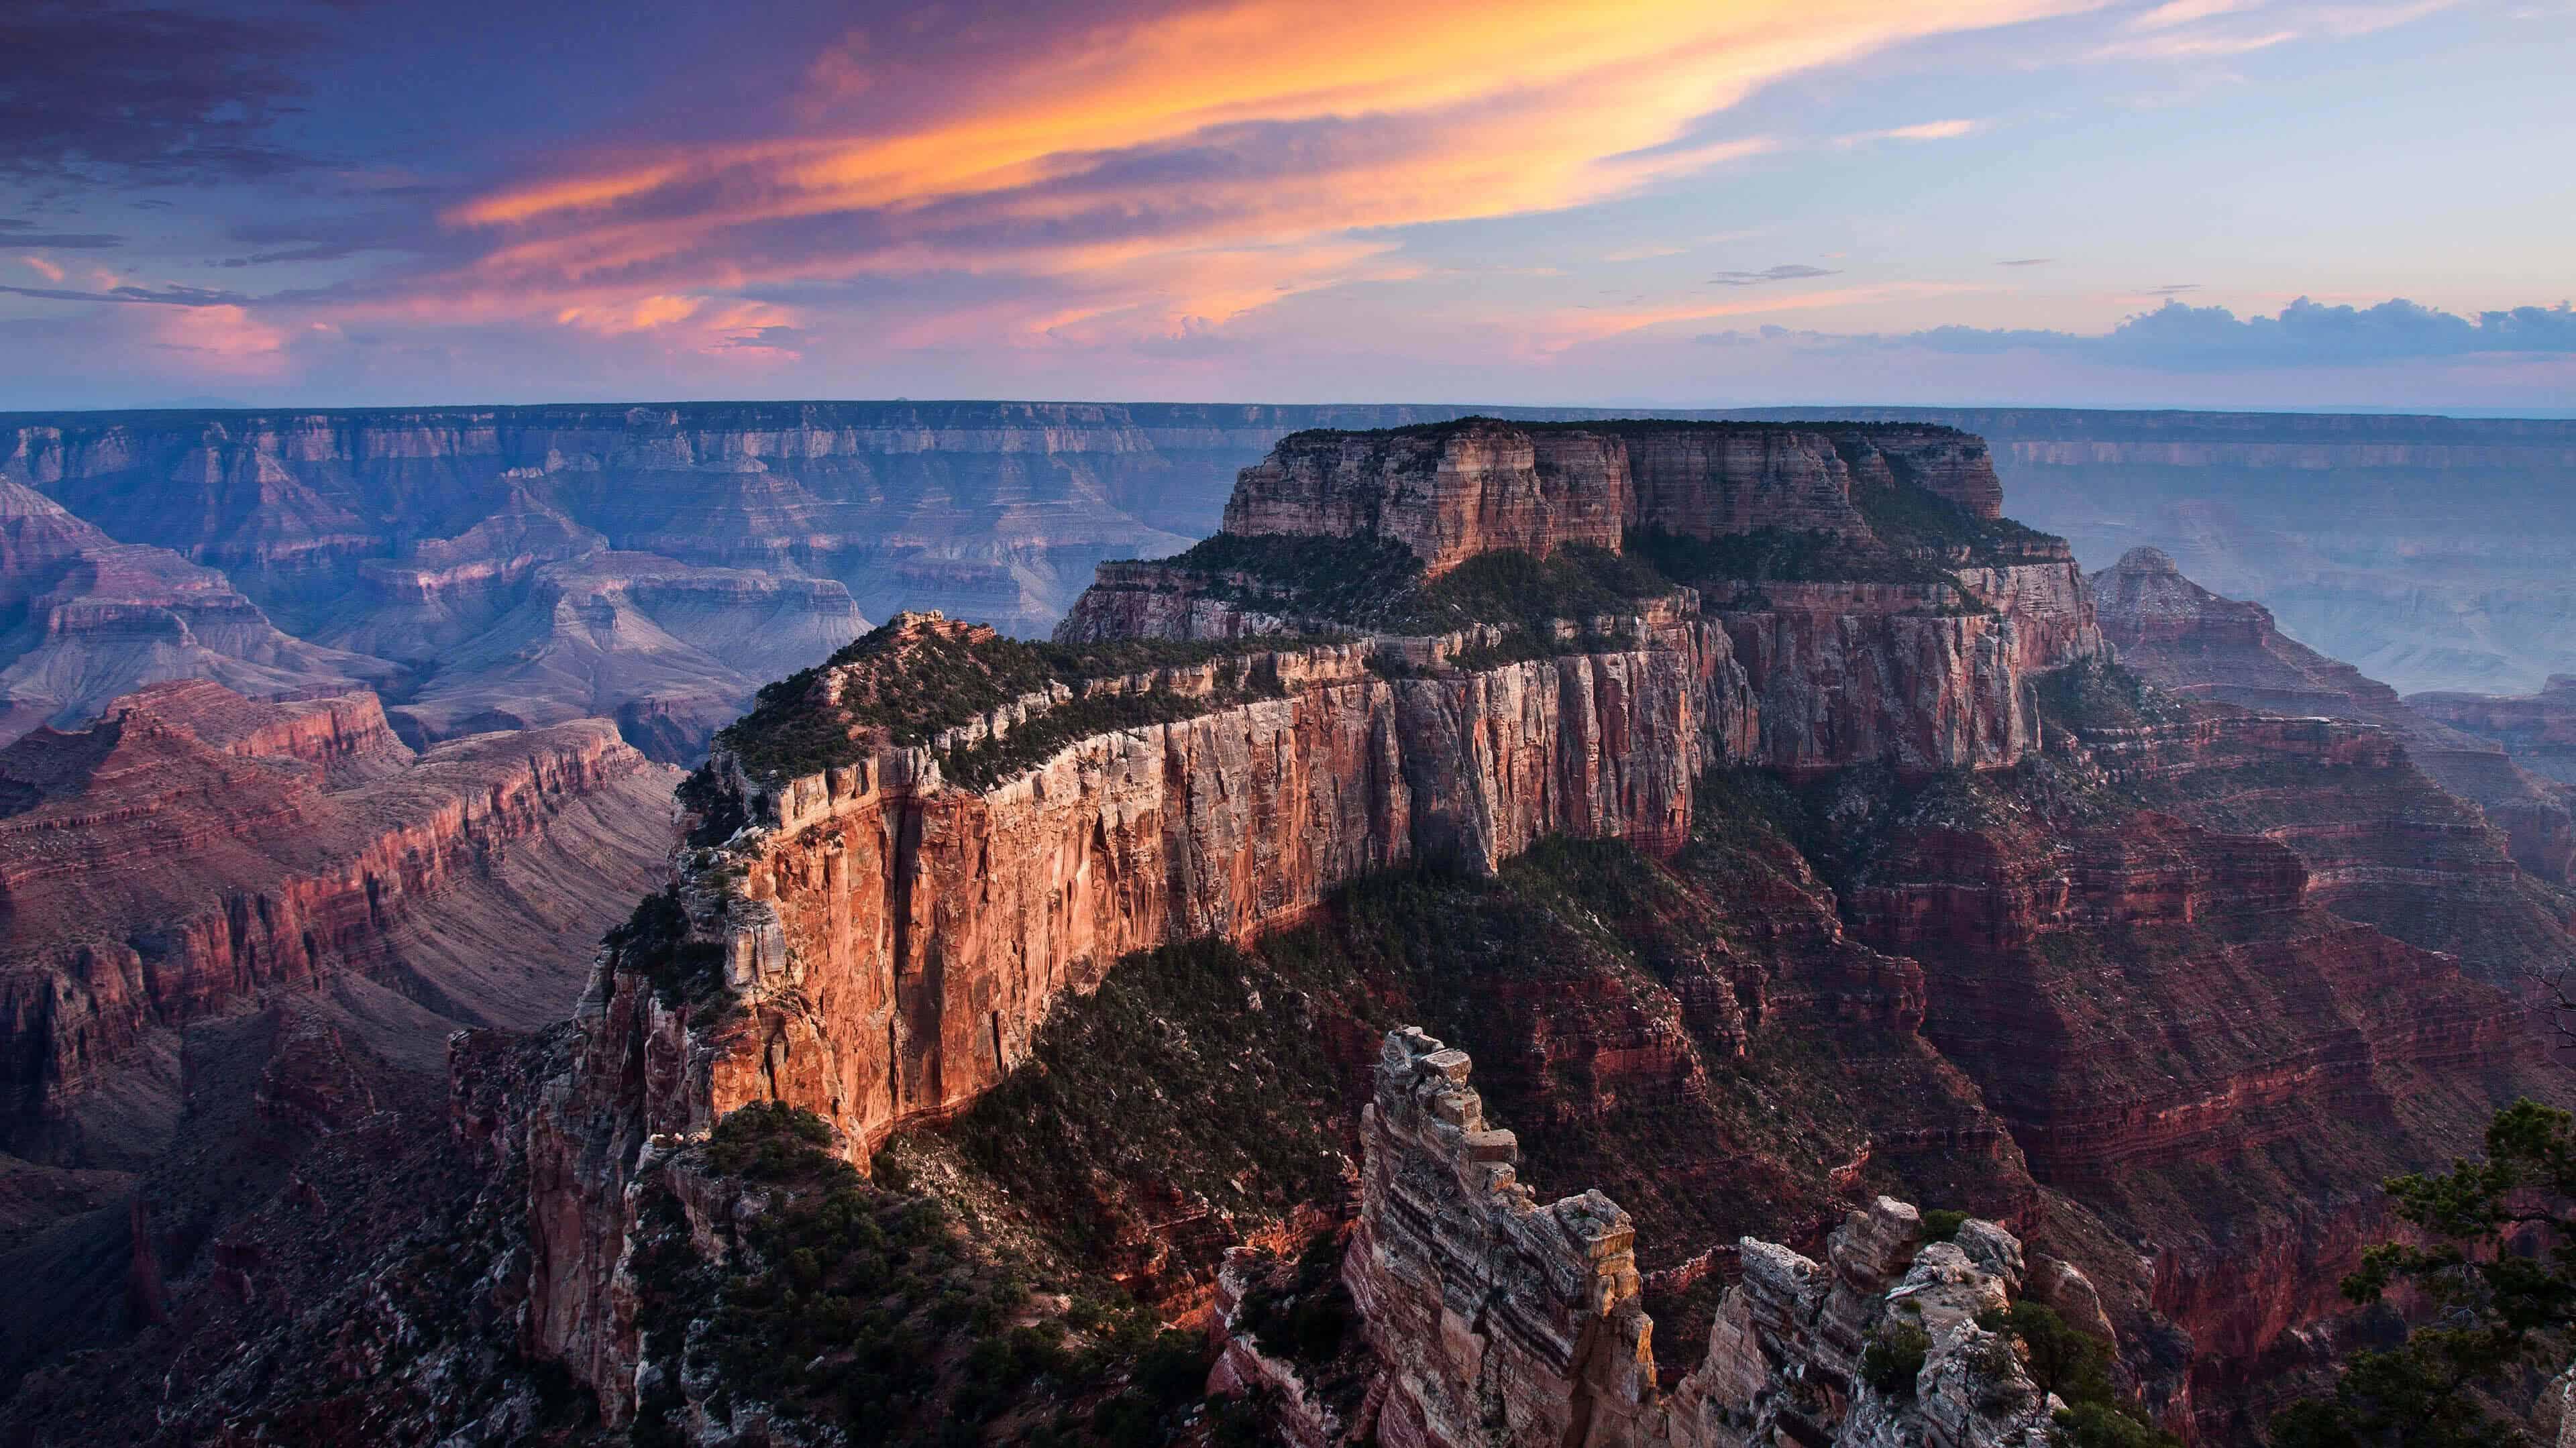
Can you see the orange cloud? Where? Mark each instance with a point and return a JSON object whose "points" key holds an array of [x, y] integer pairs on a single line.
{"points": [[611, 319], [43, 268], [224, 339], [1230, 129]]}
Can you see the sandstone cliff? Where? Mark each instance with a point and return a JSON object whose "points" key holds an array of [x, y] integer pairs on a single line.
{"points": [[1503, 1321], [196, 850], [2189, 640], [860, 936], [2152, 955], [1913, 638]]}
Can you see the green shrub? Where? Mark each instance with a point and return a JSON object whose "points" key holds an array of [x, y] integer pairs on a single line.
{"points": [[2106, 1425], [1941, 1224], [654, 941], [1894, 1357]]}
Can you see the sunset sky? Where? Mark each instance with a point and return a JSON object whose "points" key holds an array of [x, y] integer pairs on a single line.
{"points": [[2254, 203]]}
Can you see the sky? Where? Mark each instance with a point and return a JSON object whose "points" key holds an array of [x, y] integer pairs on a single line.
{"points": [[1671, 203]]}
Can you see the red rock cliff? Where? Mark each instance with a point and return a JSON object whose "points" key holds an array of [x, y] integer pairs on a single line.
{"points": [[197, 848]]}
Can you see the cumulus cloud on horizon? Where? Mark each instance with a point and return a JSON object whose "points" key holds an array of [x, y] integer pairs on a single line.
{"points": [[2178, 337]]}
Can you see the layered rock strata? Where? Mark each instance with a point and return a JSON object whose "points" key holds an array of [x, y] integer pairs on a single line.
{"points": [[2221, 1020], [2538, 730], [1449, 492], [85, 619], [1502, 1320], [196, 849], [889, 941], [2182, 637], [1927, 675]]}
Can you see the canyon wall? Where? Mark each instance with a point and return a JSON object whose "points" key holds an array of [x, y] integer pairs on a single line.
{"points": [[2182, 637], [2270, 967], [890, 944], [2537, 730], [895, 945], [880, 945], [2427, 551], [1451, 491], [1503, 1321], [1448, 493], [197, 849], [996, 510], [2424, 549]]}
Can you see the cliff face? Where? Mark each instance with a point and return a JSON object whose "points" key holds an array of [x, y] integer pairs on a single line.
{"points": [[889, 942], [880, 943], [1451, 492], [2187, 639], [1503, 1321], [1929, 674], [197, 849], [1851, 673], [950, 918], [1448, 493], [2170, 995], [84, 619], [2537, 730]]}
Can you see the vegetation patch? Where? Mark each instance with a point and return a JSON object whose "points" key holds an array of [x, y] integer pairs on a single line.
{"points": [[1294, 574], [2076, 1366], [1894, 1357], [1197, 1078], [1917, 520], [2495, 1262], [1300, 1313], [654, 942], [1378, 583], [1779, 555], [865, 1309], [1512, 587], [990, 760], [911, 680], [2092, 695]]}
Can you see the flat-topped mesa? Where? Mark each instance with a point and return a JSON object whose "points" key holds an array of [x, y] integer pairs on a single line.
{"points": [[1500, 1320], [1879, 604], [1449, 491]]}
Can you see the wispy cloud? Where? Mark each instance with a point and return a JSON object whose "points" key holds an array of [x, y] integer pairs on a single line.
{"points": [[1255, 123], [168, 296], [2200, 30], [17, 232], [1921, 131], [2027, 261], [2184, 12], [1769, 274]]}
